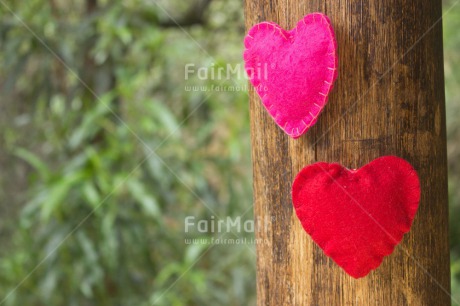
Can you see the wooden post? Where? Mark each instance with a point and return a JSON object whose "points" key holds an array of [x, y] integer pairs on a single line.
{"points": [[388, 100]]}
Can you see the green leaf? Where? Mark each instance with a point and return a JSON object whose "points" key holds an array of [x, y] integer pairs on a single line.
{"points": [[147, 201], [91, 194], [193, 252], [58, 193], [34, 161]]}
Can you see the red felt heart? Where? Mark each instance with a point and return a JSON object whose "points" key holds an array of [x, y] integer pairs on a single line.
{"points": [[292, 71], [357, 216]]}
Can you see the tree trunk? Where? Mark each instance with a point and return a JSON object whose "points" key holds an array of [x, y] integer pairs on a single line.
{"points": [[388, 100]]}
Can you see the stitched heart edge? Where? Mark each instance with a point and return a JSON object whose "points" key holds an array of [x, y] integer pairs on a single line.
{"points": [[414, 196], [296, 132]]}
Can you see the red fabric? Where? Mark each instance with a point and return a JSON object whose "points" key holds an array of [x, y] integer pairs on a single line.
{"points": [[292, 71], [357, 216]]}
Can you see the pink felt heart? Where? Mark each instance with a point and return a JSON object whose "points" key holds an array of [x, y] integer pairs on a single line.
{"points": [[292, 71], [357, 216]]}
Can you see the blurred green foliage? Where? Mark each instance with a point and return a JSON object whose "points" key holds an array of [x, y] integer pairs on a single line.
{"points": [[104, 152], [451, 24], [118, 153]]}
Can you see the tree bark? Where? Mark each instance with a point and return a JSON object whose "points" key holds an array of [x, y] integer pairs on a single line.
{"points": [[388, 100]]}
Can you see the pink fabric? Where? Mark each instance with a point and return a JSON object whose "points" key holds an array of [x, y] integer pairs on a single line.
{"points": [[292, 71], [357, 216]]}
